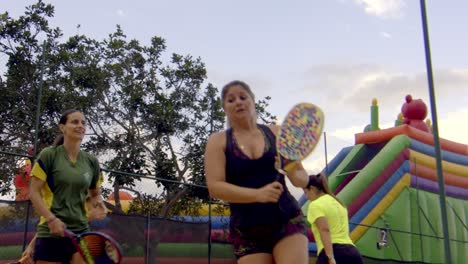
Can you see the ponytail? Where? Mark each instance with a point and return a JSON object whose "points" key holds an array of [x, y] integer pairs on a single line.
{"points": [[58, 140], [320, 182]]}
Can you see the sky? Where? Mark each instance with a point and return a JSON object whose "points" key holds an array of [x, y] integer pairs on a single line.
{"points": [[337, 54]]}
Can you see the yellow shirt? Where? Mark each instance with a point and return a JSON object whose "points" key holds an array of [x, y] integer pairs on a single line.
{"points": [[337, 217]]}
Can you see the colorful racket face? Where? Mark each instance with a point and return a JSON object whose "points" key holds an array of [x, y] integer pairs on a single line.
{"points": [[96, 247], [300, 132]]}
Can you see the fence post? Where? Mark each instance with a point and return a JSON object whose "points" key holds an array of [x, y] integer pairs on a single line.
{"points": [[209, 230], [26, 225], [147, 240]]}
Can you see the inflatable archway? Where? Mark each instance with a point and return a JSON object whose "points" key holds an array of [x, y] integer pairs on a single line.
{"points": [[125, 200]]}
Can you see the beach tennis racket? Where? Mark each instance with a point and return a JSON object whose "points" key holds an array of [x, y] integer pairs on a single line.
{"points": [[298, 135], [96, 247]]}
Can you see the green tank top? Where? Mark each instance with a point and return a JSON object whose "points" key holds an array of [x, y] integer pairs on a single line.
{"points": [[67, 186]]}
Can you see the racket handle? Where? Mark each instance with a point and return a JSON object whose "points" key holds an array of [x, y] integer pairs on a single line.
{"points": [[68, 233], [286, 165], [291, 165], [284, 171], [22, 260]]}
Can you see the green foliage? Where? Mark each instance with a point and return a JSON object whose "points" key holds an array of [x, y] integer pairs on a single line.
{"points": [[145, 204], [145, 115]]}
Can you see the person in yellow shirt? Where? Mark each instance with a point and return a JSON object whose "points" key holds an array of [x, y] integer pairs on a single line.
{"points": [[329, 221]]}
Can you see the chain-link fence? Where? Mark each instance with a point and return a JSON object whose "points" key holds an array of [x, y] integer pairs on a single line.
{"points": [[143, 239]]}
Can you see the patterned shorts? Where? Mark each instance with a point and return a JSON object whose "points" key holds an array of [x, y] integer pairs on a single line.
{"points": [[262, 239]]}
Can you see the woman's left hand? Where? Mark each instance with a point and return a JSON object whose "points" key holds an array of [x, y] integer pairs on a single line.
{"points": [[97, 209], [97, 213]]}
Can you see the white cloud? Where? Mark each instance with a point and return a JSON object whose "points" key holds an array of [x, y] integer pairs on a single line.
{"points": [[352, 86], [384, 9], [347, 134], [120, 13], [386, 35], [451, 126]]}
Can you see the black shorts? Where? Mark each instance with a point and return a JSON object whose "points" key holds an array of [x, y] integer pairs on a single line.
{"points": [[262, 239], [343, 253], [54, 249]]}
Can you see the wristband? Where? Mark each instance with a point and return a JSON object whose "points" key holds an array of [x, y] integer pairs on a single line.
{"points": [[51, 220], [331, 257]]}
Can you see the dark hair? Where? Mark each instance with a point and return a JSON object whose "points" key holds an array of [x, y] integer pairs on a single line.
{"points": [[63, 120], [242, 84], [320, 182]]}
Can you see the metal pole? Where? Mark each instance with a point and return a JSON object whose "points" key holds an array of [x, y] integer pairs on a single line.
{"points": [[26, 224], [209, 230], [326, 159], [435, 132], [39, 98], [147, 238], [36, 135], [211, 114]]}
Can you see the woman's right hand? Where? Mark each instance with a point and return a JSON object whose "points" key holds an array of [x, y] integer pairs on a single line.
{"points": [[57, 227], [270, 193], [27, 256]]}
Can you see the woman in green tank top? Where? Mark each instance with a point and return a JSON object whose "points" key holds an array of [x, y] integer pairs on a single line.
{"points": [[61, 179]]}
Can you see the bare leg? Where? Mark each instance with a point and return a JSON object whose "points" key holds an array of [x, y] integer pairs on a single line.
{"points": [[292, 249], [258, 258], [77, 259]]}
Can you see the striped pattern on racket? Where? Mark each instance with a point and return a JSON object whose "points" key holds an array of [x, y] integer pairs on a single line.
{"points": [[96, 247]]}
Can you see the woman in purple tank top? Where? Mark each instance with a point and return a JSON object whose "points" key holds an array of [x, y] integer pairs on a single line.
{"points": [[266, 223]]}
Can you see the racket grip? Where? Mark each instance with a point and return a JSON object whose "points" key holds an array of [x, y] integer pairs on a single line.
{"points": [[68, 233], [22, 260], [290, 166]]}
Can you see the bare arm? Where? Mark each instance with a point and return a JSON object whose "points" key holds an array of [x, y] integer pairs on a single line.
{"points": [[298, 176], [56, 226], [325, 236], [36, 198], [215, 166]]}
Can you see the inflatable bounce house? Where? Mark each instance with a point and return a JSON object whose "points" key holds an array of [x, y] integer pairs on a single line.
{"points": [[389, 183], [125, 200]]}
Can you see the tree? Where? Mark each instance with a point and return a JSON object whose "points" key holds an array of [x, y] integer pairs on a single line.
{"points": [[19, 42], [146, 115], [33, 81]]}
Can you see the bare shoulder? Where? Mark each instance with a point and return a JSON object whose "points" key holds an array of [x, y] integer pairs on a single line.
{"points": [[217, 140], [217, 136]]}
